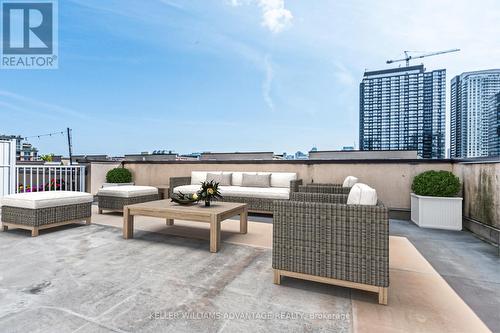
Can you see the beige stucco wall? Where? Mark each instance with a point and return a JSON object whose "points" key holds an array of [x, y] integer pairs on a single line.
{"points": [[481, 191], [481, 181], [97, 175], [392, 180]]}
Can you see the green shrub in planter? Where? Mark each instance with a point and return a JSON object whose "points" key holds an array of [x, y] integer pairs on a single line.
{"points": [[436, 184], [119, 175]]}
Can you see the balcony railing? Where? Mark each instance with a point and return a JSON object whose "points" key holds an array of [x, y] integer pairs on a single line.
{"points": [[50, 178]]}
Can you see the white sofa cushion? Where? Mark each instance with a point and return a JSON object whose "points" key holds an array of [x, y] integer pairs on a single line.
{"points": [[278, 179], [240, 191], [256, 192], [127, 191], [187, 189], [282, 179], [362, 194], [198, 177], [350, 181], [46, 199]]}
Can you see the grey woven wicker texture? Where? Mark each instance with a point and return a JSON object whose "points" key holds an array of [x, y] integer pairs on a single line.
{"points": [[42, 216], [116, 203], [345, 242], [178, 181], [319, 197], [332, 189], [294, 185]]}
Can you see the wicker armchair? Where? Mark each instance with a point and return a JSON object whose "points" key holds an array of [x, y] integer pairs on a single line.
{"points": [[324, 188], [318, 237], [256, 205]]}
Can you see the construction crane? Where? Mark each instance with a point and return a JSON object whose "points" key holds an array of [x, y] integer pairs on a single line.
{"points": [[409, 57]]}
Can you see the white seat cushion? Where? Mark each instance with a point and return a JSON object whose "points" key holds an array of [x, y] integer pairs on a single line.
{"points": [[187, 189], [46, 199], [127, 191], [350, 181], [240, 191], [362, 194], [256, 192]]}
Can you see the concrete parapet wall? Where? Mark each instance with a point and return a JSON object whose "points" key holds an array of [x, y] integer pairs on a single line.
{"points": [[481, 191], [392, 180]]}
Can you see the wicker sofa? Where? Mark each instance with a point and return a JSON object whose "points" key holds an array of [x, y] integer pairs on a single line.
{"points": [[259, 200], [319, 237]]}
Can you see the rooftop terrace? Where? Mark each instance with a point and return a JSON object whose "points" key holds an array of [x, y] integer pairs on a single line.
{"points": [[80, 278], [86, 279]]}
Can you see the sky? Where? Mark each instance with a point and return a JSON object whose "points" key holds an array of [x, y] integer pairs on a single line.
{"points": [[230, 75]]}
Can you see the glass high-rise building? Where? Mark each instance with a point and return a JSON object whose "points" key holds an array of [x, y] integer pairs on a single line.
{"points": [[494, 128], [403, 109], [471, 95]]}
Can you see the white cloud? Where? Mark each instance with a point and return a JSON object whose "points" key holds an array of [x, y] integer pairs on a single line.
{"points": [[275, 16], [266, 85]]}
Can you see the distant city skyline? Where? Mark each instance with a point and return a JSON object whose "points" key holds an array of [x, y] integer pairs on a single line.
{"points": [[227, 76]]}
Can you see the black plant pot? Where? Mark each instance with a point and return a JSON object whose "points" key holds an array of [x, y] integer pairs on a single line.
{"points": [[207, 203]]}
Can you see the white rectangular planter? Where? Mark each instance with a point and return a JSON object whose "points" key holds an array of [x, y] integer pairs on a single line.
{"points": [[116, 184], [436, 212]]}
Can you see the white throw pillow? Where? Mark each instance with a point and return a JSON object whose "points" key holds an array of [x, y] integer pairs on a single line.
{"points": [[282, 179], [350, 181], [354, 195], [362, 194]]}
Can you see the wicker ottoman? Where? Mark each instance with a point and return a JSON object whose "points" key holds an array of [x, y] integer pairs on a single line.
{"points": [[114, 198], [43, 210]]}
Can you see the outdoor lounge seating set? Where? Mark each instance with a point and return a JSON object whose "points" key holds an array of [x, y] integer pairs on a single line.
{"points": [[329, 233]]}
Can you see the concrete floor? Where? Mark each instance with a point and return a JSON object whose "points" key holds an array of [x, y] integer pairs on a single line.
{"points": [[60, 278], [88, 279], [470, 266]]}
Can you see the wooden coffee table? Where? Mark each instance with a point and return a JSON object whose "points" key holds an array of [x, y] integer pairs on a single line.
{"points": [[215, 214]]}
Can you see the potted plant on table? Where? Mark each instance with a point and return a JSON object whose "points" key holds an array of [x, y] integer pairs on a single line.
{"points": [[209, 191], [435, 202], [118, 177]]}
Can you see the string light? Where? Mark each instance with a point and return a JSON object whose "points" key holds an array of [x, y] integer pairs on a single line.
{"points": [[42, 135]]}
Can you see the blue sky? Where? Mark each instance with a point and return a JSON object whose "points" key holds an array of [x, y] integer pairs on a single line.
{"points": [[230, 75]]}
